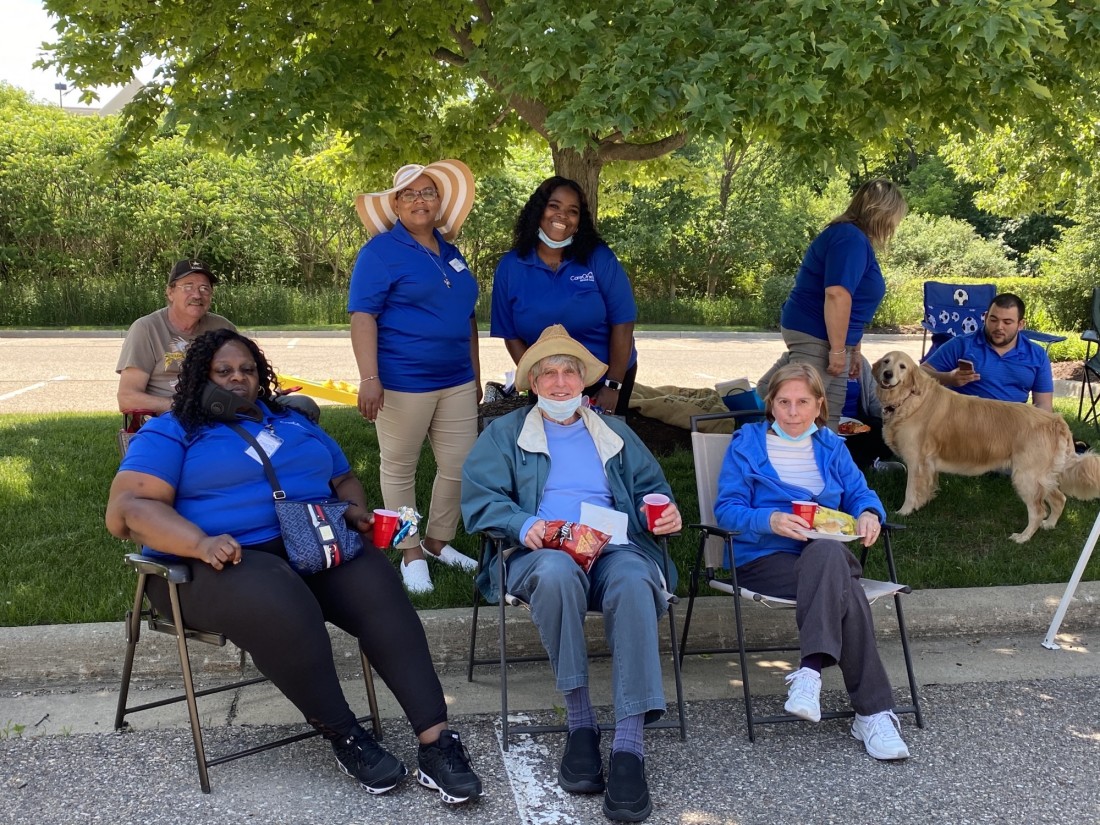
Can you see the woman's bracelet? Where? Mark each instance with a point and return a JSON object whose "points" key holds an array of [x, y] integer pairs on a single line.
{"points": [[368, 378], [838, 352]]}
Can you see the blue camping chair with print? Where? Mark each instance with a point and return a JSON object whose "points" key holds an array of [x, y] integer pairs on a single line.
{"points": [[951, 310]]}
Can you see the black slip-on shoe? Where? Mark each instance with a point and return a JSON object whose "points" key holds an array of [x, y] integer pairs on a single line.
{"points": [[627, 796], [581, 768]]}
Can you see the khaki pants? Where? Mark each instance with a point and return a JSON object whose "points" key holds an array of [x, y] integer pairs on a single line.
{"points": [[805, 349], [448, 419]]}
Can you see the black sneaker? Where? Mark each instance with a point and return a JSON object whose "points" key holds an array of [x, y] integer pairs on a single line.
{"points": [[627, 796], [360, 757], [581, 768], [445, 767]]}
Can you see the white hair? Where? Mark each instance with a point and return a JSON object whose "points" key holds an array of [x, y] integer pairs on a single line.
{"points": [[556, 361]]}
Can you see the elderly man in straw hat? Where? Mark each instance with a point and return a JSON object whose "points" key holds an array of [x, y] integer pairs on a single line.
{"points": [[536, 465]]}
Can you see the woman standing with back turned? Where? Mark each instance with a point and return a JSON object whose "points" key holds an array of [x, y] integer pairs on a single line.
{"points": [[838, 290]]}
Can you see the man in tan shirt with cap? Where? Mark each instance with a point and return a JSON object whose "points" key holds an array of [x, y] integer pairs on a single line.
{"points": [[153, 350]]}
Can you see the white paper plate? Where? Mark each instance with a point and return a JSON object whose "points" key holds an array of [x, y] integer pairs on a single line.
{"points": [[845, 419], [814, 534]]}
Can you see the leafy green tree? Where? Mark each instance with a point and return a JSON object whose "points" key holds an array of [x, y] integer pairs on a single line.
{"points": [[616, 80]]}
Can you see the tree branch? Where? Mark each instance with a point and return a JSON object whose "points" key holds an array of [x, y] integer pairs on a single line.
{"points": [[642, 151]]}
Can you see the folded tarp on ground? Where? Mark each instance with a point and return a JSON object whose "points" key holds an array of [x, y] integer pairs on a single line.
{"points": [[676, 406]]}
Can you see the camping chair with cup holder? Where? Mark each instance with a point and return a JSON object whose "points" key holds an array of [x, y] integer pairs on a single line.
{"points": [[177, 575], [713, 567], [493, 540]]}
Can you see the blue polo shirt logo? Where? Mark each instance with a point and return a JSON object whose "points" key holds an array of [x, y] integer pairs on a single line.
{"points": [[585, 278]]}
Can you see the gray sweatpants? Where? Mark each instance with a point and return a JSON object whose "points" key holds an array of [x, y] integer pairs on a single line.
{"points": [[805, 349], [833, 616]]}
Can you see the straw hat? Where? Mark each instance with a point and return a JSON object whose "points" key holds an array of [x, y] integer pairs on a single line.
{"points": [[556, 341], [456, 197]]}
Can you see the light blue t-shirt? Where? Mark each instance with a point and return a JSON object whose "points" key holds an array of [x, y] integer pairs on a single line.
{"points": [[576, 474]]}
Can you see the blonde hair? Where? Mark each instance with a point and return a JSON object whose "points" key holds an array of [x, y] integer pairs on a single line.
{"points": [[876, 208], [798, 372]]}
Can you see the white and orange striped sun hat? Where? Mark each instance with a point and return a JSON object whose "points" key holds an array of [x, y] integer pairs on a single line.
{"points": [[456, 197]]}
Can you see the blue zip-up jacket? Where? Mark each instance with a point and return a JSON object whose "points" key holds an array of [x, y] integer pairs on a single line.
{"points": [[749, 491], [505, 474]]}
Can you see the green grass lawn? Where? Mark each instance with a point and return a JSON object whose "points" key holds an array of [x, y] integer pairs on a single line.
{"points": [[58, 563]]}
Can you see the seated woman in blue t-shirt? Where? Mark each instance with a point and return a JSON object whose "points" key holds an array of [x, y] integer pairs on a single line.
{"points": [[559, 271], [837, 291], [189, 488]]}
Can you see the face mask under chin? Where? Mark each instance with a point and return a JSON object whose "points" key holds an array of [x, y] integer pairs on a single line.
{"points": [[559, 410]]}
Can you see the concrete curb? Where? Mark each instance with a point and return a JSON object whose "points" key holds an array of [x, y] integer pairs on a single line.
{"points": [[53, 655]]}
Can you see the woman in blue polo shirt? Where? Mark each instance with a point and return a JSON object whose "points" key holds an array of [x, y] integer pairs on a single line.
{"points": [[559, 271], [190, 488], [414, 335], [837, 291]]}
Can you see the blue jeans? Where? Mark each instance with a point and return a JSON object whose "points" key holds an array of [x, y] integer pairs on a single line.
{"points": [[625, 586]]}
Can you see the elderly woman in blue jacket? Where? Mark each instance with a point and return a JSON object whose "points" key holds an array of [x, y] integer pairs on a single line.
{"points": [[792, 457]]}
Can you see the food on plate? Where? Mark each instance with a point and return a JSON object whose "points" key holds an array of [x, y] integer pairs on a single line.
{"points": [[834, 522], [852, 427]]}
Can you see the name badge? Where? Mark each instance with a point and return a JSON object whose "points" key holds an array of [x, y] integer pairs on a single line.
{"points": [[270, 443], [457, 265]]}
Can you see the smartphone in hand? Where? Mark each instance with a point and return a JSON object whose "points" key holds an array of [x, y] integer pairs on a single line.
{"points": [[966, 365]]}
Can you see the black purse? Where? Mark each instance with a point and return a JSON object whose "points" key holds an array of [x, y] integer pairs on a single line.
{"points": [[315, 533]]}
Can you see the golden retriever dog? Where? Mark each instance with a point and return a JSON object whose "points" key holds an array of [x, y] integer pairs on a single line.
{"points": [[937, 430]]}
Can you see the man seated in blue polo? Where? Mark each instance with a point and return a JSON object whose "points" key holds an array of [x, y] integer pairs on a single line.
{"points": [[1003, 364]]}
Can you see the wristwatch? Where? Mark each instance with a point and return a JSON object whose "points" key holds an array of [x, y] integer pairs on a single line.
{"points": [[612, 384]]}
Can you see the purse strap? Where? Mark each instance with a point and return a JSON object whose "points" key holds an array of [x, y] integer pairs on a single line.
{"points": [[269, 471]]}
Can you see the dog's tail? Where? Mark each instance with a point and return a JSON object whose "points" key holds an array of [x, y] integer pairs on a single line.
{"points": [[1080, 478]]}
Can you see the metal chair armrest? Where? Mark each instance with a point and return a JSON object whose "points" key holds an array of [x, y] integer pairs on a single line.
{"points": [[711, 530], [174, 572]]}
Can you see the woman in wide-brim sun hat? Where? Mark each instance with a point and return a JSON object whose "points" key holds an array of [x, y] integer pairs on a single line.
{"points": [[414, 334]]}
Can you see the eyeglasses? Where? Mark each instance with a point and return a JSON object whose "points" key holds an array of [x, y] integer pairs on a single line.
{"points": [[191, 289], [428, 193]]}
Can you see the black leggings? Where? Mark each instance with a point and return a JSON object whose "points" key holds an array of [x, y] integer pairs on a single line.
{"points": [[278, 617]]}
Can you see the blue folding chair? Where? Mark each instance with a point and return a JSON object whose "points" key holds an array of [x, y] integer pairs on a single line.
{"points": [[951, 310]]}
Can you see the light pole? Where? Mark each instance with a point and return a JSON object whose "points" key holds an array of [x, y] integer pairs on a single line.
{"points": [[61, 89]]}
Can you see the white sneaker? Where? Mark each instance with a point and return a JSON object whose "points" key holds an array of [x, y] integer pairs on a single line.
{"points": [[451, 557], [880, 733], [804, 695], [416, 576]]}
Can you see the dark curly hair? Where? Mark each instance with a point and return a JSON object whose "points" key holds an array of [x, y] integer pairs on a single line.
{"points": [[525, 236], [195, 372]]}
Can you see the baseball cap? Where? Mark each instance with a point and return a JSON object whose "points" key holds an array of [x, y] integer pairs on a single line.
{"points": [[188, 266]]}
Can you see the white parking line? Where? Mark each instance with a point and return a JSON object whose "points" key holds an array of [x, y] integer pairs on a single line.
{"points": [[537, 797], [32, 387], [292, 343]]}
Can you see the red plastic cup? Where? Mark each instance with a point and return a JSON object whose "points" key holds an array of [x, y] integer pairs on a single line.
{"points": [[655, 504], [806, 510], [385, 525]]}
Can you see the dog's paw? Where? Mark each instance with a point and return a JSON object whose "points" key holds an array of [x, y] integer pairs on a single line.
{"points": [[906, 509], [1020, 538]]}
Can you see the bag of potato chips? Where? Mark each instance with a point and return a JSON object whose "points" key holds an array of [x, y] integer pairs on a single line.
{"points": [[581, 542]]}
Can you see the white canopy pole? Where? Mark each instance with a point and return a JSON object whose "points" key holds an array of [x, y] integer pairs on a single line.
{"points": [[1071, 588]]}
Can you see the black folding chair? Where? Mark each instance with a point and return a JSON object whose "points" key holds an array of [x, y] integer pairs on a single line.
{"points": [[493, 541], [1091, 337]]}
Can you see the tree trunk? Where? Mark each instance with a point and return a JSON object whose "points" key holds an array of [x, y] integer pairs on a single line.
{"points": [[584, 168]]}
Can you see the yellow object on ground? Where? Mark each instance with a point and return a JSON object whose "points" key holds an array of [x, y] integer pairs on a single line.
{"points": [[339, 391]]}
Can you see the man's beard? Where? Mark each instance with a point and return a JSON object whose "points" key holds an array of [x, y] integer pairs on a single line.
{"points": [[1007, 343]]}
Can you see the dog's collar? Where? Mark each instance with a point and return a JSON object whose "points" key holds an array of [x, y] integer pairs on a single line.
{"points": [[893, 408]]}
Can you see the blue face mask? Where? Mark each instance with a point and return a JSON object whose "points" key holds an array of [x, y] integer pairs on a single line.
{"points": [[552, 243], [779, 432], [559, 410]]}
